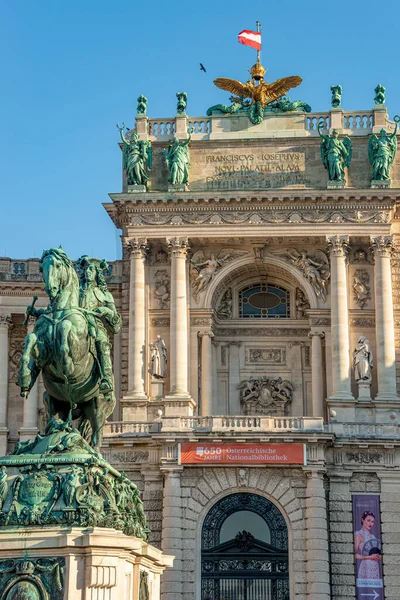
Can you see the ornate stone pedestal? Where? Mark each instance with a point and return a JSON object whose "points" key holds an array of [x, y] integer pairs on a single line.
{"points": [[376, 183], [157, 388], [178, 187], [335, 185], [364, 392], [137, 189], [56, 563]]}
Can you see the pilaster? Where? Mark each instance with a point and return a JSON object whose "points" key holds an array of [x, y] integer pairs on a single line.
{"points": [[317, 548], [206, 373], [341, 395], [234, 378], [317, 375], [5, 323], [382, 248], [172, 527]]}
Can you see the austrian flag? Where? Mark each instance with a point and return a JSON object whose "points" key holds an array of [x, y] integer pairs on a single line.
{"points": [[250, 38]]}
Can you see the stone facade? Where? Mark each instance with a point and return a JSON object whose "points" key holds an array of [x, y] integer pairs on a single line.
{"points": [[258, 228]]}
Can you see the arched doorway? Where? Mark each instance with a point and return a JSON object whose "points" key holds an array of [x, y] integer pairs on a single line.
{"points": [[244, 550]]}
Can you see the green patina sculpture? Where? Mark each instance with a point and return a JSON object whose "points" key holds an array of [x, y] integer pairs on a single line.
{"points": [[381, 153], [336, 99], [138, 157], [144, 593], [240, 105], [182, 103], [335, 153], [32, 578], [178, 161], [69, 344], [142, 106], [380, 95]]}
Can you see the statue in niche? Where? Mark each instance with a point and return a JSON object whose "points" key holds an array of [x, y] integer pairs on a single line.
{"points": [[315, 269], [182, 103], [362, 361], [381, 153], [225, 308], [302, 304], [380, 95], [336, 100], [177, 158], [362, 291], [137, 158], [335, 153], [158, 359], [262, 395], [142, 106], [202, 271]]}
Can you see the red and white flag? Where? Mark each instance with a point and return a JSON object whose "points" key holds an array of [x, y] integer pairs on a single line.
{"points": [[250, 38]]}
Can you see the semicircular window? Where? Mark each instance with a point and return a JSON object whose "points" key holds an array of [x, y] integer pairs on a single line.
{"points": [[263, 301]]}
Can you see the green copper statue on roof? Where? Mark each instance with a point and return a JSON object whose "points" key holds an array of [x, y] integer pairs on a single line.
{"points": [[138, 157], [381, 153], [335, 153], [182, 103], [142, 106], [177, 158], [336, 100], [380, 95]]}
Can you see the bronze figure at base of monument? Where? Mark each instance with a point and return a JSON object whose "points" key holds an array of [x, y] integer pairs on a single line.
{"points": [[57, 488]]}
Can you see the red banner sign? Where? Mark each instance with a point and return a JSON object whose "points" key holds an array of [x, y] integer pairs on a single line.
{"points": [[242, 454]]}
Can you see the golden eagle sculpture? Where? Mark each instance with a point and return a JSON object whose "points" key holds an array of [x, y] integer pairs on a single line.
{"points": [[258, 91]]}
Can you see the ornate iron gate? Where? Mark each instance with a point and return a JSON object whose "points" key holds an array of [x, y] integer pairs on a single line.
{"points": [[244, 568]]}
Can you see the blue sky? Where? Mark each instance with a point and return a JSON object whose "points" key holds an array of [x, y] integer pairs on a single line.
{"points": [[71, 70]]}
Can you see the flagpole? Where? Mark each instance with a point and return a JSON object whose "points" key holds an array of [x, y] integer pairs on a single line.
{"points": [[258, 25]]}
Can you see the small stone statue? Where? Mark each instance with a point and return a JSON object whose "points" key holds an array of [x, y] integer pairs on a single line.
{"points": [[381, 153], [182, 103], [225, 308], [362, 361], [158, 359], [138, 157], [178, 161], [142, 106], [302, 304], [335, 153], [336, 96], [380, 95]]}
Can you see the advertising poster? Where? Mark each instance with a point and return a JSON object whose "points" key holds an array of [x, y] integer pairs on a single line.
{"points": [[249, 454], [367, 547]]}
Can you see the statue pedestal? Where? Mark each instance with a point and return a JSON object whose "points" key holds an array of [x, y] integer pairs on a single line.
{"points": [[364, 392], [56, 563], [335, 185], [157, 388], [179, 187], [137, 189], [376, 183]]}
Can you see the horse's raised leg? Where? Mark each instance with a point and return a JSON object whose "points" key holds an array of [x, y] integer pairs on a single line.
{"points": [[28, 372], [64, 331]]}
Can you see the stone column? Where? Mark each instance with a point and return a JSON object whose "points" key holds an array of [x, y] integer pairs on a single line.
{"points": [[172, 584], [317, 376], [341, 382], [206, 373], [137, 319], [5, 322], [179, 342], [382, 248], [234, 378], [29, 427], [318, 583]]}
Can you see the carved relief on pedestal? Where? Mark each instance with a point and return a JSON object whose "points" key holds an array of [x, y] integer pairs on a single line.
{"points": [[264, 396], [361, 287], [271, 356]]}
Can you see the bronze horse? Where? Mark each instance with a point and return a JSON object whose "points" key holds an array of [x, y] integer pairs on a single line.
{"points": [[61, 348]]}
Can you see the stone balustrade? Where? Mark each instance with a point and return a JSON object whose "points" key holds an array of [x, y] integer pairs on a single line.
{"points": [[224, 424], [353, 123], [12, 269]]}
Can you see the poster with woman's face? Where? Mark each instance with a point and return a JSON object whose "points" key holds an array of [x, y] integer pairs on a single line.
{"points": [[367, 547]]}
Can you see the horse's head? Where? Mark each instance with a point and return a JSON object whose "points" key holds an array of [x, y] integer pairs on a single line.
{"points": [[57, 271]]}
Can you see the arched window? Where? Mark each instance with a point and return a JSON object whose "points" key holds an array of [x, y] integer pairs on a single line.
{"points": [[244, 553], [264, 301]]}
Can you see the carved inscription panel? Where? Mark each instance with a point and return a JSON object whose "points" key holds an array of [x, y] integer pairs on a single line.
{"points": [[258, 169]]}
